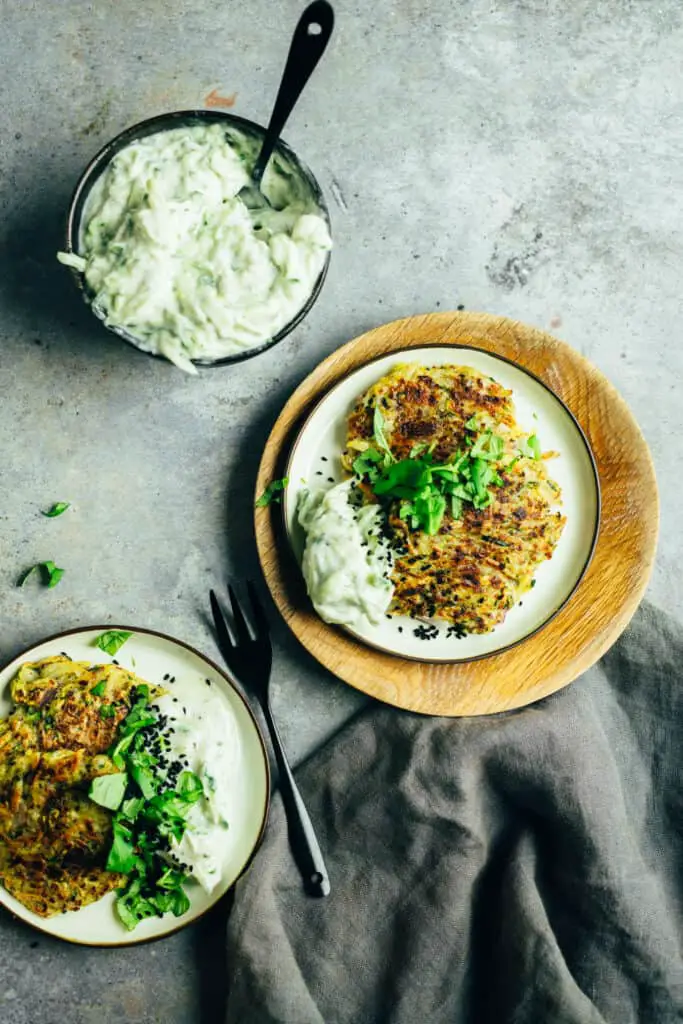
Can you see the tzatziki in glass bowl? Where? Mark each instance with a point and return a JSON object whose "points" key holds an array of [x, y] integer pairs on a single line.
{"points": [[180, 255]]}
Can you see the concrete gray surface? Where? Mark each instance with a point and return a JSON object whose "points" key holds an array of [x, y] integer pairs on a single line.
{"points": [[523, 157]]}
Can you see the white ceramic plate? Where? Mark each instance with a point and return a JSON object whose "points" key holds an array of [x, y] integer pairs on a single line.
{"points": [[153, 656], [315, 462]]}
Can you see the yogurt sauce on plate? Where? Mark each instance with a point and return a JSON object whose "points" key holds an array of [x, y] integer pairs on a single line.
{"points": [[171, 253], [346, 561], [205, 739]]}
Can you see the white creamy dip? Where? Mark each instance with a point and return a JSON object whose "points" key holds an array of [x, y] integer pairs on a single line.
{"points": [[346, 562], [172, 254], [207, 738]]}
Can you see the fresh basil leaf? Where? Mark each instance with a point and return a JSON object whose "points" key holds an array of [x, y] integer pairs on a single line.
{"points": [[406, 509], [378, 432], [50, 573], [108, 790], [112, 641], [456, 507], [530, 447], [366, 464], [119, 749], [180, 903], [131, 807], [56, 509], [190, 787], [430, 511], [171, 879], [272, 493], [404, 479], [122, 856], [145, 780]]}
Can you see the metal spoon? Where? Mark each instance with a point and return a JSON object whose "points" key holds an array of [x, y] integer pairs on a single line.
{"points": [[310, 38]]}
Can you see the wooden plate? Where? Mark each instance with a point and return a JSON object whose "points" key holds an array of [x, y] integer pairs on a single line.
{"points": [[605, 600]]}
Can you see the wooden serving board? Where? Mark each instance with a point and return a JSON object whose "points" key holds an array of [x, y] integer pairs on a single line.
{"points": [[607, 596]]}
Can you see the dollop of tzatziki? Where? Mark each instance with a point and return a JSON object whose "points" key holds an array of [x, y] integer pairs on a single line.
{"points": [[346, 561], [172, 253], [205, 740]]}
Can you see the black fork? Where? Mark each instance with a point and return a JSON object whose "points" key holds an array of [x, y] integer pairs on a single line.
{"points": [[249, 656]]}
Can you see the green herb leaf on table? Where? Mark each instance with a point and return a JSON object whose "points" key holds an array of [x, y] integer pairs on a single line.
{"points": [[272, 493], [56, 509], [51, 575], [112, 641]]}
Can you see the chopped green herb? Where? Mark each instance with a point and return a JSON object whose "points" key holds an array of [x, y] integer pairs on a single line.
{"points": [[366, 464], [99, 688], [50, 573], [190, 787], [112, 641], [108, 790], [122, 856], [56, 509], [272, 493], [423, 488], [107, 711], [530, 448], [471, 423], [380, 436]]}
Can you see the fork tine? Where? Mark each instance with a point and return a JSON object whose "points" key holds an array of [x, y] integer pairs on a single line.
{"points": [[225, 640], [242, 631], [259, 614]]}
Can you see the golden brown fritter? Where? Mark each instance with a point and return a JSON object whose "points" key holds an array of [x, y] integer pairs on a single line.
{"points": [[477, 567], [55, 889], [53, 838]]}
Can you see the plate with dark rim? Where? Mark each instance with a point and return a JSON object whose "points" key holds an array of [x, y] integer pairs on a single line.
{"points": [[315, 463], [154, 656], [583, 610]]}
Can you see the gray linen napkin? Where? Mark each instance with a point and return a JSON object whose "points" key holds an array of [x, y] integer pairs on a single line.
{"points": [[526, 867]]}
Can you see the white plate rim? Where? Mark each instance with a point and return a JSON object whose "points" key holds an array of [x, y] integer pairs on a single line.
{"points": [[33, 920], [577, 426]]}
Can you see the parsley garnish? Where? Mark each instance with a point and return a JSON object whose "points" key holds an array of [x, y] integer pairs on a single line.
{"points": [[56, 509], [51, 575], [112, 641], [272, 493]]}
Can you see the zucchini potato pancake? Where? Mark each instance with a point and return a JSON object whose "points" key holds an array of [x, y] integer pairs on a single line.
{"points": [[481, 560], [53, 838]]}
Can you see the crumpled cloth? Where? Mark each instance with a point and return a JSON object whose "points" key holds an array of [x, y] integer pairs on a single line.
{"points": [[524, 867]]}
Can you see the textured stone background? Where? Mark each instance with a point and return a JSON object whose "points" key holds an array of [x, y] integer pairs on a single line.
{"points": [[523, 157]]}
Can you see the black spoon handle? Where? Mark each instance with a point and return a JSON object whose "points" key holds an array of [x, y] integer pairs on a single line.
{"points": [[310, 38], [302, 838]]}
